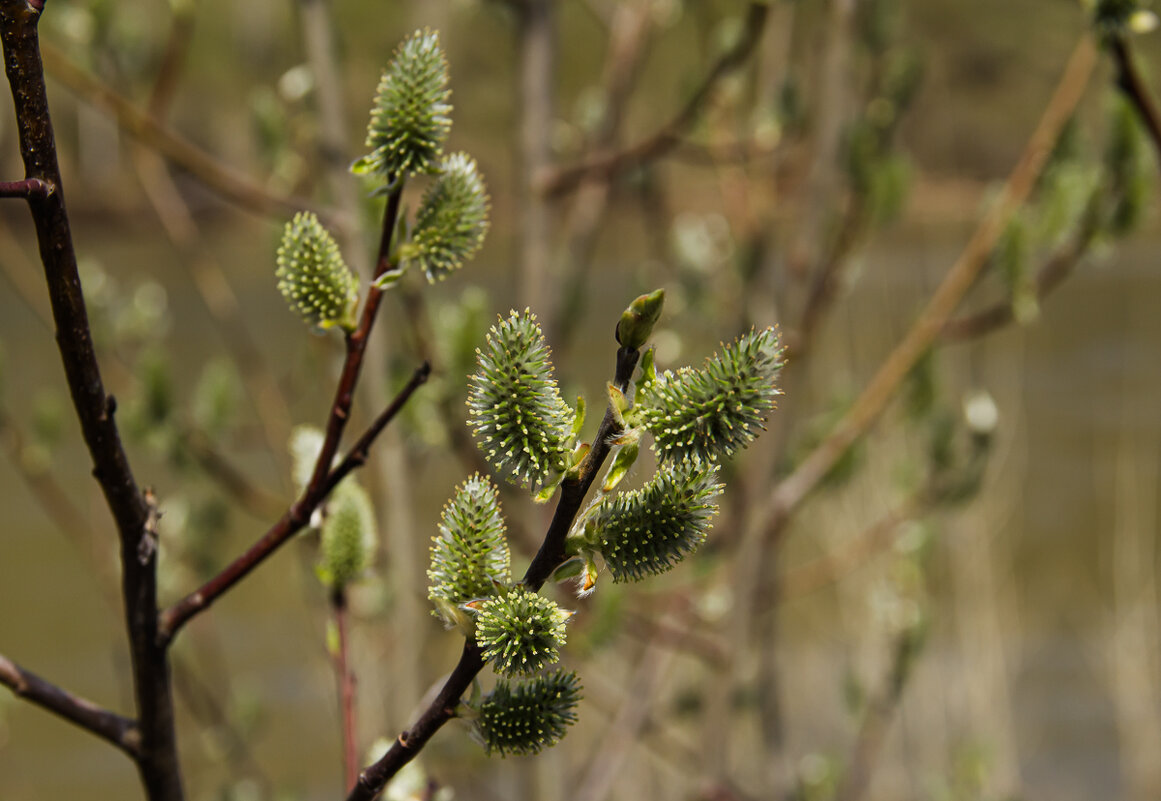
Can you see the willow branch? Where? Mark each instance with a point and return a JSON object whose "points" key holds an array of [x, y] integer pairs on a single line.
{"points": [[551, 554], [791, 491], [216, 176], [1051, 275], [135, 516], [605, 167], [120, 731], [1131, 83], [346, 683], [27, 189], [293, 520]]}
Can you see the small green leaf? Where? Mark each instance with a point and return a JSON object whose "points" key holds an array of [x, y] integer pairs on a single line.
{"points": [[626, 457]]}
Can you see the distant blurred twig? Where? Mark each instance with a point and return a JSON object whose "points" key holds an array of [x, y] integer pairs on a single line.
{"points": [[791, 491], [562, 180], [215, 175]]}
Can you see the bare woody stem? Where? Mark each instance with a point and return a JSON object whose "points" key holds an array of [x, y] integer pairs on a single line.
{"points": [[346, 684], [27, 189], [134, 516], [120, 731], [551, 554], [607, 166], [292, 521]]}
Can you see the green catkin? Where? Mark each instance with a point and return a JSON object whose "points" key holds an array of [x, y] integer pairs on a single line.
{"points": [[312, 276], [520, 631], [711, 413], [469, 555], [524, 717], [520, 421], [648, 531], [452, 219], [410, 118]]}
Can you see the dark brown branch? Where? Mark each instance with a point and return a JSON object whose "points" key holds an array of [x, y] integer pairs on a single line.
{"points": [[120, 731], [139, 124], [27, 189], [551, 554], [134, 515], [1130, 82], [297, 516], [607, 166]]}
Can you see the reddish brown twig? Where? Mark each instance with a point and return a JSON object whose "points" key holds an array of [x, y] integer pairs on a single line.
{"points": [[346, 683], [26, 189], [120, 731], [297, 516]]}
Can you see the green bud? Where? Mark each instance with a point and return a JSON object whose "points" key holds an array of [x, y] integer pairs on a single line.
{"points": [[522, 424], [312, 276], [525, 717], [650, 530], [469, 556], [410, 118], [348, 535], [520, 631], [637, 322], [452, 219], [711, 413]]}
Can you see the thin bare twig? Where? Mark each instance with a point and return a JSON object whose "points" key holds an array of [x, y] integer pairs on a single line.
{"points": [[120, 731], [791, 491], [139, 124], [26, 189], [605, 167], [346, 683], [297, 516], [1051, 275]]}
